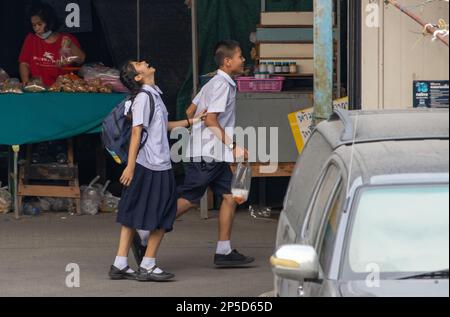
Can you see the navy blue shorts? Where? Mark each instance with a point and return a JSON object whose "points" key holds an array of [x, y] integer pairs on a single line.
{"points": [[199, 176]]}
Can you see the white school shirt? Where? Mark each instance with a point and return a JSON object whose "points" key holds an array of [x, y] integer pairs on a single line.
{"points": [[217, 96], [155, 154]]}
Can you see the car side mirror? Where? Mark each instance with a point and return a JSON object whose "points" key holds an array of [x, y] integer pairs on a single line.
{"points": [[296, 262]]}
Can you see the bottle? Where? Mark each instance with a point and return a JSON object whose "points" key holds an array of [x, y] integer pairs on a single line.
{"points": [[293, 68], [285, 68], [30, 210], [271, 68], [263, 67], [278, 68]]}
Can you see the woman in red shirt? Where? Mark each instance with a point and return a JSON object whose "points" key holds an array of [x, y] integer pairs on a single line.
{"points": [[42, 51]]}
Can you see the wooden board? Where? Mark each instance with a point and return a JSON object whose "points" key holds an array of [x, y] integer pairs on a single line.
{"points": [[287, 34], [287, 18], [50, 172], [49, 191], [282, 170], [288, 50]]}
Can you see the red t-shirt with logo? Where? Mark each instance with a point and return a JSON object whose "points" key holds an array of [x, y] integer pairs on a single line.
{"points": [[42, 56]]}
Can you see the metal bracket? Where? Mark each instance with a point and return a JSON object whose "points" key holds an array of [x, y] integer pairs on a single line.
{"points": [[349, 129]]}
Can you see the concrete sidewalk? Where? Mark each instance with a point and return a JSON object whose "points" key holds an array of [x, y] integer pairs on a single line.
{"points": [[36, 250]]}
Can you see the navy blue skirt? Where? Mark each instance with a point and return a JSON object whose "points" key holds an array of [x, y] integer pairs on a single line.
{"points": [[150, 203]]}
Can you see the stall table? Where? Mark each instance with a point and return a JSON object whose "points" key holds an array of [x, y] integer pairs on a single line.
{"points": [[31, 118]]}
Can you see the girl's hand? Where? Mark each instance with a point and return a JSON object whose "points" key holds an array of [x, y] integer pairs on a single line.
{"points": [[127, 176], [200, 117]]}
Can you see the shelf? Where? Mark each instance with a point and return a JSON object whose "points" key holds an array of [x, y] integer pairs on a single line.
{"points": [[262, 26], [296, 75], [304, 26], [285, 42], [284, 58]]}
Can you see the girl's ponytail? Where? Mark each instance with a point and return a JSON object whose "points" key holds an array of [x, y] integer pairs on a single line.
{"points": [[127, 77]]}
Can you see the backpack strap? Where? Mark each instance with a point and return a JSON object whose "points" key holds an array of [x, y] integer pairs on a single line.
{"points": [[152, 114]]}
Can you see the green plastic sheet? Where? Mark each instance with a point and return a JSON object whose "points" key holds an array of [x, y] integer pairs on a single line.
{"points": [[32, 118]]}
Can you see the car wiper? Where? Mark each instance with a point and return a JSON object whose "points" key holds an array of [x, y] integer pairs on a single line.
{"points": [[430, 275]]}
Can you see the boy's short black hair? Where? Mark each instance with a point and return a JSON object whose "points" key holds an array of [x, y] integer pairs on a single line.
{"points": [[225, 49], [47, 15]]}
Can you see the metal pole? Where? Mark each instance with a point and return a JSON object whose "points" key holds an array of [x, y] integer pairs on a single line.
{"points": [[339, 46], [195, 64], [323, 60], [16, 149], [138, 31], [196, 85], [430, 29], [263, 5]]}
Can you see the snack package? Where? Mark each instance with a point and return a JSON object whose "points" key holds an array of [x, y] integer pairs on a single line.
{"points": [[11, 86], [5, 200], [241, 184], [106, 76], [71, 83], [3, 76], [35, 85]]}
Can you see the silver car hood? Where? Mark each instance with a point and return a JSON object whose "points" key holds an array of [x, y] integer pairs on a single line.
{"points": [[396, 288]]}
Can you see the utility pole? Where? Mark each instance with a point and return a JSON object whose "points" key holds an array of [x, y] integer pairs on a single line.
{"points": [[323, 60]]}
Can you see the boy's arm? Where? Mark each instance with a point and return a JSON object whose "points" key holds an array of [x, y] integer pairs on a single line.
{"points": [[188, 122], [135, 142], [213, 124], [190, 112]]}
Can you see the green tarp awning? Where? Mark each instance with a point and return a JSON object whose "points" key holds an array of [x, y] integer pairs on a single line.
{"points": [[32, 118]]}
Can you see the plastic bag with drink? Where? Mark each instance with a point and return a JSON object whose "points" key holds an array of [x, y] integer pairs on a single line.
{"points": [[242, 181]]}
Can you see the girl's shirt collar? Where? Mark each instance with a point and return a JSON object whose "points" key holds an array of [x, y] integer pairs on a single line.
{"points": [[153, 89]]}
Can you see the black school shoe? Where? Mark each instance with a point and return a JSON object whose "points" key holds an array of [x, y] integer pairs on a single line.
{"points": [[116, 274], [138, 249], [144, 275], [232, 259]]}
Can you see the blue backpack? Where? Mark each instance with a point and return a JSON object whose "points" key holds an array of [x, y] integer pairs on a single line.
{"points": [[116, 130]]}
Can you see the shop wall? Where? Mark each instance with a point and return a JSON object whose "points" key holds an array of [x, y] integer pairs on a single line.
{"points": [[395, 54], [228, 19]]}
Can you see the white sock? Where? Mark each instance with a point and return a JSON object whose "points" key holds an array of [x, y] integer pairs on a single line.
{"points": [[150, 263], [121, 262], [144, 235], [224, 247]]}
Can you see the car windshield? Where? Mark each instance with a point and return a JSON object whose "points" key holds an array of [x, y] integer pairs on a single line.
{"points": [[400, 230]]}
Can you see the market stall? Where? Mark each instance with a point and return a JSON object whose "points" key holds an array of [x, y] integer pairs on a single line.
{"points": [[34, 113], [30, 118]]}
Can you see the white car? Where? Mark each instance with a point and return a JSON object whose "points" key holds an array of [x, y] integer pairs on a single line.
{"points": [[367, 209]]}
